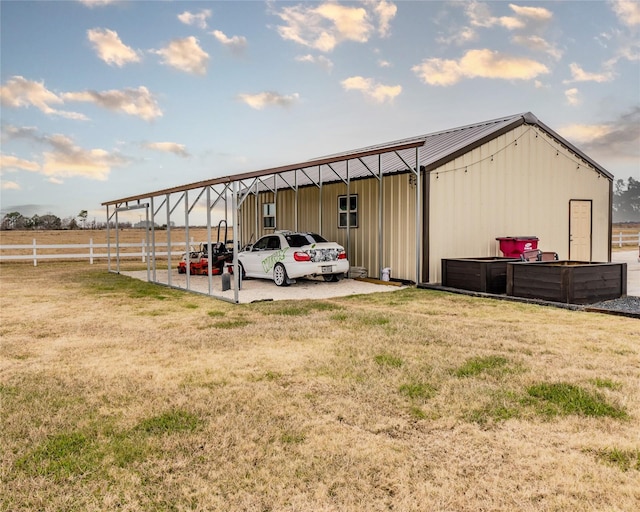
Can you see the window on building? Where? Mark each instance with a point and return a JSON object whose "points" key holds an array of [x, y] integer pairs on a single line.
{"points": [[351, 211], [269, 215]]}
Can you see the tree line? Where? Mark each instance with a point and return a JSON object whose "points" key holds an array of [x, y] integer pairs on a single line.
{"points": [[626, 208], [626, 201], [17, 221]]}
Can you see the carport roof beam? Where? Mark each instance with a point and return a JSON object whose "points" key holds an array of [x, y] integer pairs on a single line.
{"points": [[274, 170]]}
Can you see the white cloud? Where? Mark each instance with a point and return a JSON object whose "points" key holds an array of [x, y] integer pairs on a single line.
{"points": [[478, 64], [19, 92], [110, 48], [63, 158], [627, 11], [377, 92], [199, 19], [135, 102], [68, 160], [580, 75], [236, 44], [480, 16], [528, 22], [459, 36], [533, 13], [10, 185], [168, 147], [55, 181], [385, 12], [573, 97], [97, 3], [185, 55], [585, 132], [328, 24], [263, 99], [12, 163], [320, 60], [617, 138], [539, 44]]}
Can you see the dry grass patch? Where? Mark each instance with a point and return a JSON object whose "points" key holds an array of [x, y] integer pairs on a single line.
{"points": [[119, 394]]}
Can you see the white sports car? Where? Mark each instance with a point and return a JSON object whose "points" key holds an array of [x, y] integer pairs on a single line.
{"points": [[285, 256]]}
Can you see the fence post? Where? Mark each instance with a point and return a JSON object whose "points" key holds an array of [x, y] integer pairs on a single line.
{"points": [[90, 251], [142, 250], [35, 256]]}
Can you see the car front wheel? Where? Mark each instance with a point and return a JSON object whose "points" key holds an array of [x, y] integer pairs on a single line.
{"points": [[280, 275]]}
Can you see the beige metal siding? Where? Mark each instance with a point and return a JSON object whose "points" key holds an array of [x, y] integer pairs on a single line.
{"points": [[506, 189], [398, 221]]}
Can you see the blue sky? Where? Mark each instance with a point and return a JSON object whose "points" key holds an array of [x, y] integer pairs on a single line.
{"points": [[105, 99]]}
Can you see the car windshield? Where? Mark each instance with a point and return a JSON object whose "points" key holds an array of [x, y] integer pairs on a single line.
{"points": [[300, 239]]}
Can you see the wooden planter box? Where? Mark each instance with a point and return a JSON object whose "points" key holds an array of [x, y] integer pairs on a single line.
{"points": [[571, 282], [487, 275]]}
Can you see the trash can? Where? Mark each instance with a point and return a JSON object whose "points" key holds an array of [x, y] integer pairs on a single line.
{"points": [[515, 246]]}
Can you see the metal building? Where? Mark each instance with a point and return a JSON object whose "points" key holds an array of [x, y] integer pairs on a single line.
{"points": [[408, 204]]}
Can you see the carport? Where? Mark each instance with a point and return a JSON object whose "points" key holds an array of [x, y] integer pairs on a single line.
{"points": [[232, 192]]}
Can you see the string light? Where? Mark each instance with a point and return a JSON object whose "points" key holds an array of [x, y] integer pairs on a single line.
{"points": [[515, 143]]}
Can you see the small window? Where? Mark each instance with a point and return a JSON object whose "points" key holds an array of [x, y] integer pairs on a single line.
{"points": [[269, 215], [352, 211]]}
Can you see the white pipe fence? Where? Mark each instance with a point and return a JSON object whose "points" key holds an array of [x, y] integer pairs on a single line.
{"points": [[43, 251], [625, 239]]}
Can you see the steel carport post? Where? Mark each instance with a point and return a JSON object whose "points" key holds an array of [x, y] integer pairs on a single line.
{"points": [[126, 209], [418, 216], [153, 238], [169, 247], [236, 236], [209, 248]]}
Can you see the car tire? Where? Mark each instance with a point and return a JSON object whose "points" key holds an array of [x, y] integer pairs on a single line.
{"points": [[243, 274], [331, 278], [280, 275]]}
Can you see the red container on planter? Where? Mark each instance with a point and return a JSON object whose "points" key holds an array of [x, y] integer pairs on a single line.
{"points": [[515, 246]]}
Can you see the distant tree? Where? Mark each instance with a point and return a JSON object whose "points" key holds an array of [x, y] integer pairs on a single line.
{"points": [[13, 220], [34, 222], [50, 221], [626, 201], [83, 217]]}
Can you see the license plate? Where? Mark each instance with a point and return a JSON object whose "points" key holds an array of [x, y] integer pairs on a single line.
{"points": [[326, 269]]}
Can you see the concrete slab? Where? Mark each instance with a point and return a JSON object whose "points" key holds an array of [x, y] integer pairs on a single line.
{"points": [[253, 290]]}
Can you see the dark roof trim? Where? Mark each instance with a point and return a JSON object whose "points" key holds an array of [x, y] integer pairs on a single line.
{"points": [[225, 180], [526, 118], [531, 119], [475, 144]]}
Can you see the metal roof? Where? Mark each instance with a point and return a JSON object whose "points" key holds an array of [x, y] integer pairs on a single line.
{"points": [[435, 149]]}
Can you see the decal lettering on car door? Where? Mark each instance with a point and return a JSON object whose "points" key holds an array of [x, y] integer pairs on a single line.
{"points": [[270, 262]]}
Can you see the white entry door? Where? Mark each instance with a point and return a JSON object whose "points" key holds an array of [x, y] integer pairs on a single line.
{"points": [[579, 230]]}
